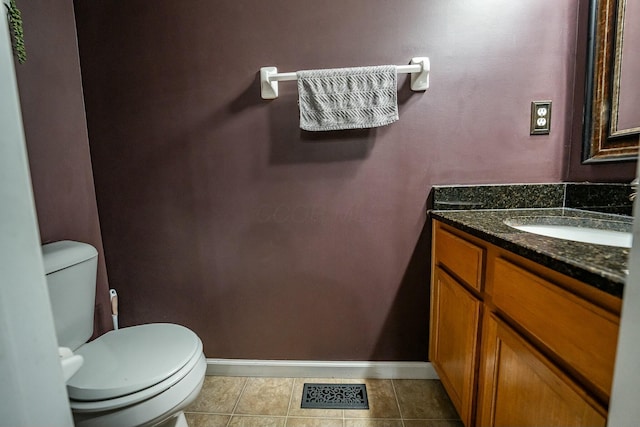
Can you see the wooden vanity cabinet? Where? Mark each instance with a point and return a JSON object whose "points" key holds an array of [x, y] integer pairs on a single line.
{"points": [[456, 307], [514, 342]]}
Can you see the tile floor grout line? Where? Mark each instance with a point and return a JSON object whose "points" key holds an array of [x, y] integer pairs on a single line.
{"points": [[257, 416], [233, 411], [433, 419], [293, 387], [395, 394], [318, 419], [207, 413]]}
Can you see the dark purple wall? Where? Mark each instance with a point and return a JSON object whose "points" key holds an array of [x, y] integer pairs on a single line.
{"points": [[56, 133], [220, 214]]}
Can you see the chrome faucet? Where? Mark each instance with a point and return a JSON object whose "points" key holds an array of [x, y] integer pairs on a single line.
{"points": [[634, 186]]}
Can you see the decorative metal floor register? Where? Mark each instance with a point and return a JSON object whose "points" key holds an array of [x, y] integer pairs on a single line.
{"points": [[334, 396]]}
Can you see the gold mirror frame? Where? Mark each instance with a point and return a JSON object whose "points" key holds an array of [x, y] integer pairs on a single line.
{"points": [[599, 144]]}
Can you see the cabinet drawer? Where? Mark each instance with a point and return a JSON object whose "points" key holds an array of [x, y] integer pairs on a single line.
{"points": [[579, 333], [461, 257]]}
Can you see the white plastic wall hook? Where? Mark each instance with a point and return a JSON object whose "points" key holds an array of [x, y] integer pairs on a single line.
{"points": [[268, 88], [420, 81]]}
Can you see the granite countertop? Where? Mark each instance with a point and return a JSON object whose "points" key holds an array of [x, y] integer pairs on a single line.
{"points": [[604, 267]]}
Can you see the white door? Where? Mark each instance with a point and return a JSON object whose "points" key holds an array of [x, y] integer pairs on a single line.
{"points": [[32, 390], [624, 409]]}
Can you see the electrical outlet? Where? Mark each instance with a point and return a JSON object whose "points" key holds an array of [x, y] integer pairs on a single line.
{"points": [[540, 117]]}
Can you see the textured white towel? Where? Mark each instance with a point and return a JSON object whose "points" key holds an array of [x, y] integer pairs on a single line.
{"points": [[348, 98]]}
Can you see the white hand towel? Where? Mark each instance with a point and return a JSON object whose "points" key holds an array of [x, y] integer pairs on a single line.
{"points": [[348, 98]]}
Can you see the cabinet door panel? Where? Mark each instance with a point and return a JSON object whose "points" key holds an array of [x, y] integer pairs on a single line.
{"points": [[520, 387], [454, 341], [583, 335]]}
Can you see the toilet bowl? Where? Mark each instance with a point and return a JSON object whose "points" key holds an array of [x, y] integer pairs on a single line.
{"points": [[137, 376]]}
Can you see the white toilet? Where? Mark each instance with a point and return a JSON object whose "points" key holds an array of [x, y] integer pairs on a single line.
{"points": [[137, 376]]}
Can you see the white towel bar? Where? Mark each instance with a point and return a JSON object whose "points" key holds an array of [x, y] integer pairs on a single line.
{"points": [[419, 70]]}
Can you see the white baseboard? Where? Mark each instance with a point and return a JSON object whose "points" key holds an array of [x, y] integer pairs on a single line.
{"points": [[319, 369]]}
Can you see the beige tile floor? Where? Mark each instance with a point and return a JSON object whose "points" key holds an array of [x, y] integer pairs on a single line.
{"points": [[275, 402]]}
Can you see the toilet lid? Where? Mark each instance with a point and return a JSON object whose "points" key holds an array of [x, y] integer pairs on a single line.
{"points": [[131, 359]]}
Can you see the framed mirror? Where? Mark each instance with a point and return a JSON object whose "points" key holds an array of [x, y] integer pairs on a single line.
{"points": [[612, 109]]}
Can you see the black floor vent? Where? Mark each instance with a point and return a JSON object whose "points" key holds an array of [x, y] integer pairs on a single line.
{"points": [[334, 396]]}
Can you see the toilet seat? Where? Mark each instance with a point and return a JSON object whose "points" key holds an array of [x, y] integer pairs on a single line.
{"points": [[132, 364]]}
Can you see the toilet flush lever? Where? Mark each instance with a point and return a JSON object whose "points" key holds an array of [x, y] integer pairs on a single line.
{"points": [[113, 296], [70, 362]]}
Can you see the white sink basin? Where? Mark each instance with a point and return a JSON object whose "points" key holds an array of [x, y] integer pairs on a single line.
{"points": [[600, 232]]}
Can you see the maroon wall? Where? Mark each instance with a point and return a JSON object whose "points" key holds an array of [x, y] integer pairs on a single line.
{"points": [[271, 243], [56, 133]]}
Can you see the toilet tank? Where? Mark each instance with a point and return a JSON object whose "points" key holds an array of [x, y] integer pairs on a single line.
{"points": [[71, 279]]}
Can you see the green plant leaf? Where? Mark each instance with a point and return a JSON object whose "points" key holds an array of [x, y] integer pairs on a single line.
{"points": [[15, 22]]}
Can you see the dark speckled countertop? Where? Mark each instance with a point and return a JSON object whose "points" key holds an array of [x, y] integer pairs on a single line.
{"points": [[603, 267]]}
